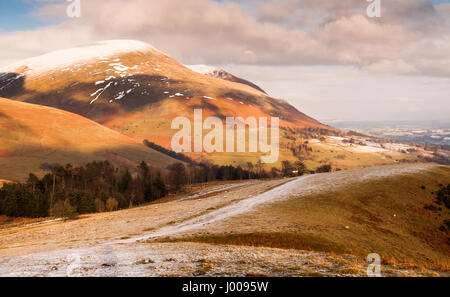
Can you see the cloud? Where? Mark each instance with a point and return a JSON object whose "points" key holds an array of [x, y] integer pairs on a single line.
{"points": [[314, 12], [347, 93], [391, 66], [412, 37]]}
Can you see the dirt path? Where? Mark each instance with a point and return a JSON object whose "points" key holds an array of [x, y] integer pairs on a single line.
{"points": [[90, 242], [301, 186], [212, 191]]}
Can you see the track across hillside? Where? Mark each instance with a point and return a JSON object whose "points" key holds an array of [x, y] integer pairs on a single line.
{"points": [[87, 255]]}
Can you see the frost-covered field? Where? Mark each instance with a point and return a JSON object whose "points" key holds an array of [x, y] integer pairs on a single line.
{"points": [[186, 259], [135, 256]]}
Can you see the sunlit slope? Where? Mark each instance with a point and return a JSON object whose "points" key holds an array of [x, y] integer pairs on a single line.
{"points": [[31, 135]]}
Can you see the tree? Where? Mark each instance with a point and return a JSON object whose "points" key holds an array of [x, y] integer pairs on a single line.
{"points": [[250, 168], [286, 168], [99, 205], [147, 182], [274, 172], [112, 204], [33, 180], [134, 194], [99, 186], [144, 170], [177, 175], [159, 187], [259, 168], [63, 209], [300, 167], [324, 168], [125, 181]]}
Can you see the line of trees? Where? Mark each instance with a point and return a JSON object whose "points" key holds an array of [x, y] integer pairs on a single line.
{"points": [[175, 155], [180, 175], [99, 186], [69, 190]]}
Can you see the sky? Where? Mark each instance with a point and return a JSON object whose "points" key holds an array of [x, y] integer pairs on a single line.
{"points": [[326, 57]]}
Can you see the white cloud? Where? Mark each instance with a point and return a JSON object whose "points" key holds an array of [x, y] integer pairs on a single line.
{"points": [[391, 66], [346, 93], [299, 32]]}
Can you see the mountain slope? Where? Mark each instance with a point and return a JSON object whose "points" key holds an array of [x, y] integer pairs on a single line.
{"points": [[114, 76], [31, 135]]}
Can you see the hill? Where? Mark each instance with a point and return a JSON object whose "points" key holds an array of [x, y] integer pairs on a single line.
{"points": [[33, 135], [132, 88], [390, 210], [323, 224]]}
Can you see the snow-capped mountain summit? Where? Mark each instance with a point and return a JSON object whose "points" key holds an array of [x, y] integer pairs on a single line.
{"points": [[131, 87], [83, 54], [202, 69]]}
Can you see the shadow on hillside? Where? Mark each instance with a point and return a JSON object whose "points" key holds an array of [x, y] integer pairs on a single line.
{"points": [[99, 101], [11, 84], [107, 99]]}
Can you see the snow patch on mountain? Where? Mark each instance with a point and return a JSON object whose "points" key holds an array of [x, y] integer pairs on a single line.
{"points": [[202, 69], [99, 92], [222, 74], [78, 55]]}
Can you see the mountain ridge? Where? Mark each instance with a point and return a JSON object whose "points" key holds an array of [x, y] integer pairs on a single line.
{"points": [[223, 74]]}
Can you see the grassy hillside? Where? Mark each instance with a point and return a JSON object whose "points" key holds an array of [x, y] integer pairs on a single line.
{"points": [[32, 135], [394, 217]]}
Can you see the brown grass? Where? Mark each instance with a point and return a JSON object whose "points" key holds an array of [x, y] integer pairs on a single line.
{"points": [[31, 135], [273, 240], [384, 216], [8, 222]]}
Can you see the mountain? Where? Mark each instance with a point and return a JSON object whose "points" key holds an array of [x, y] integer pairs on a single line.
{"points": [[222, 74], [135, 89], [33, 135]]}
